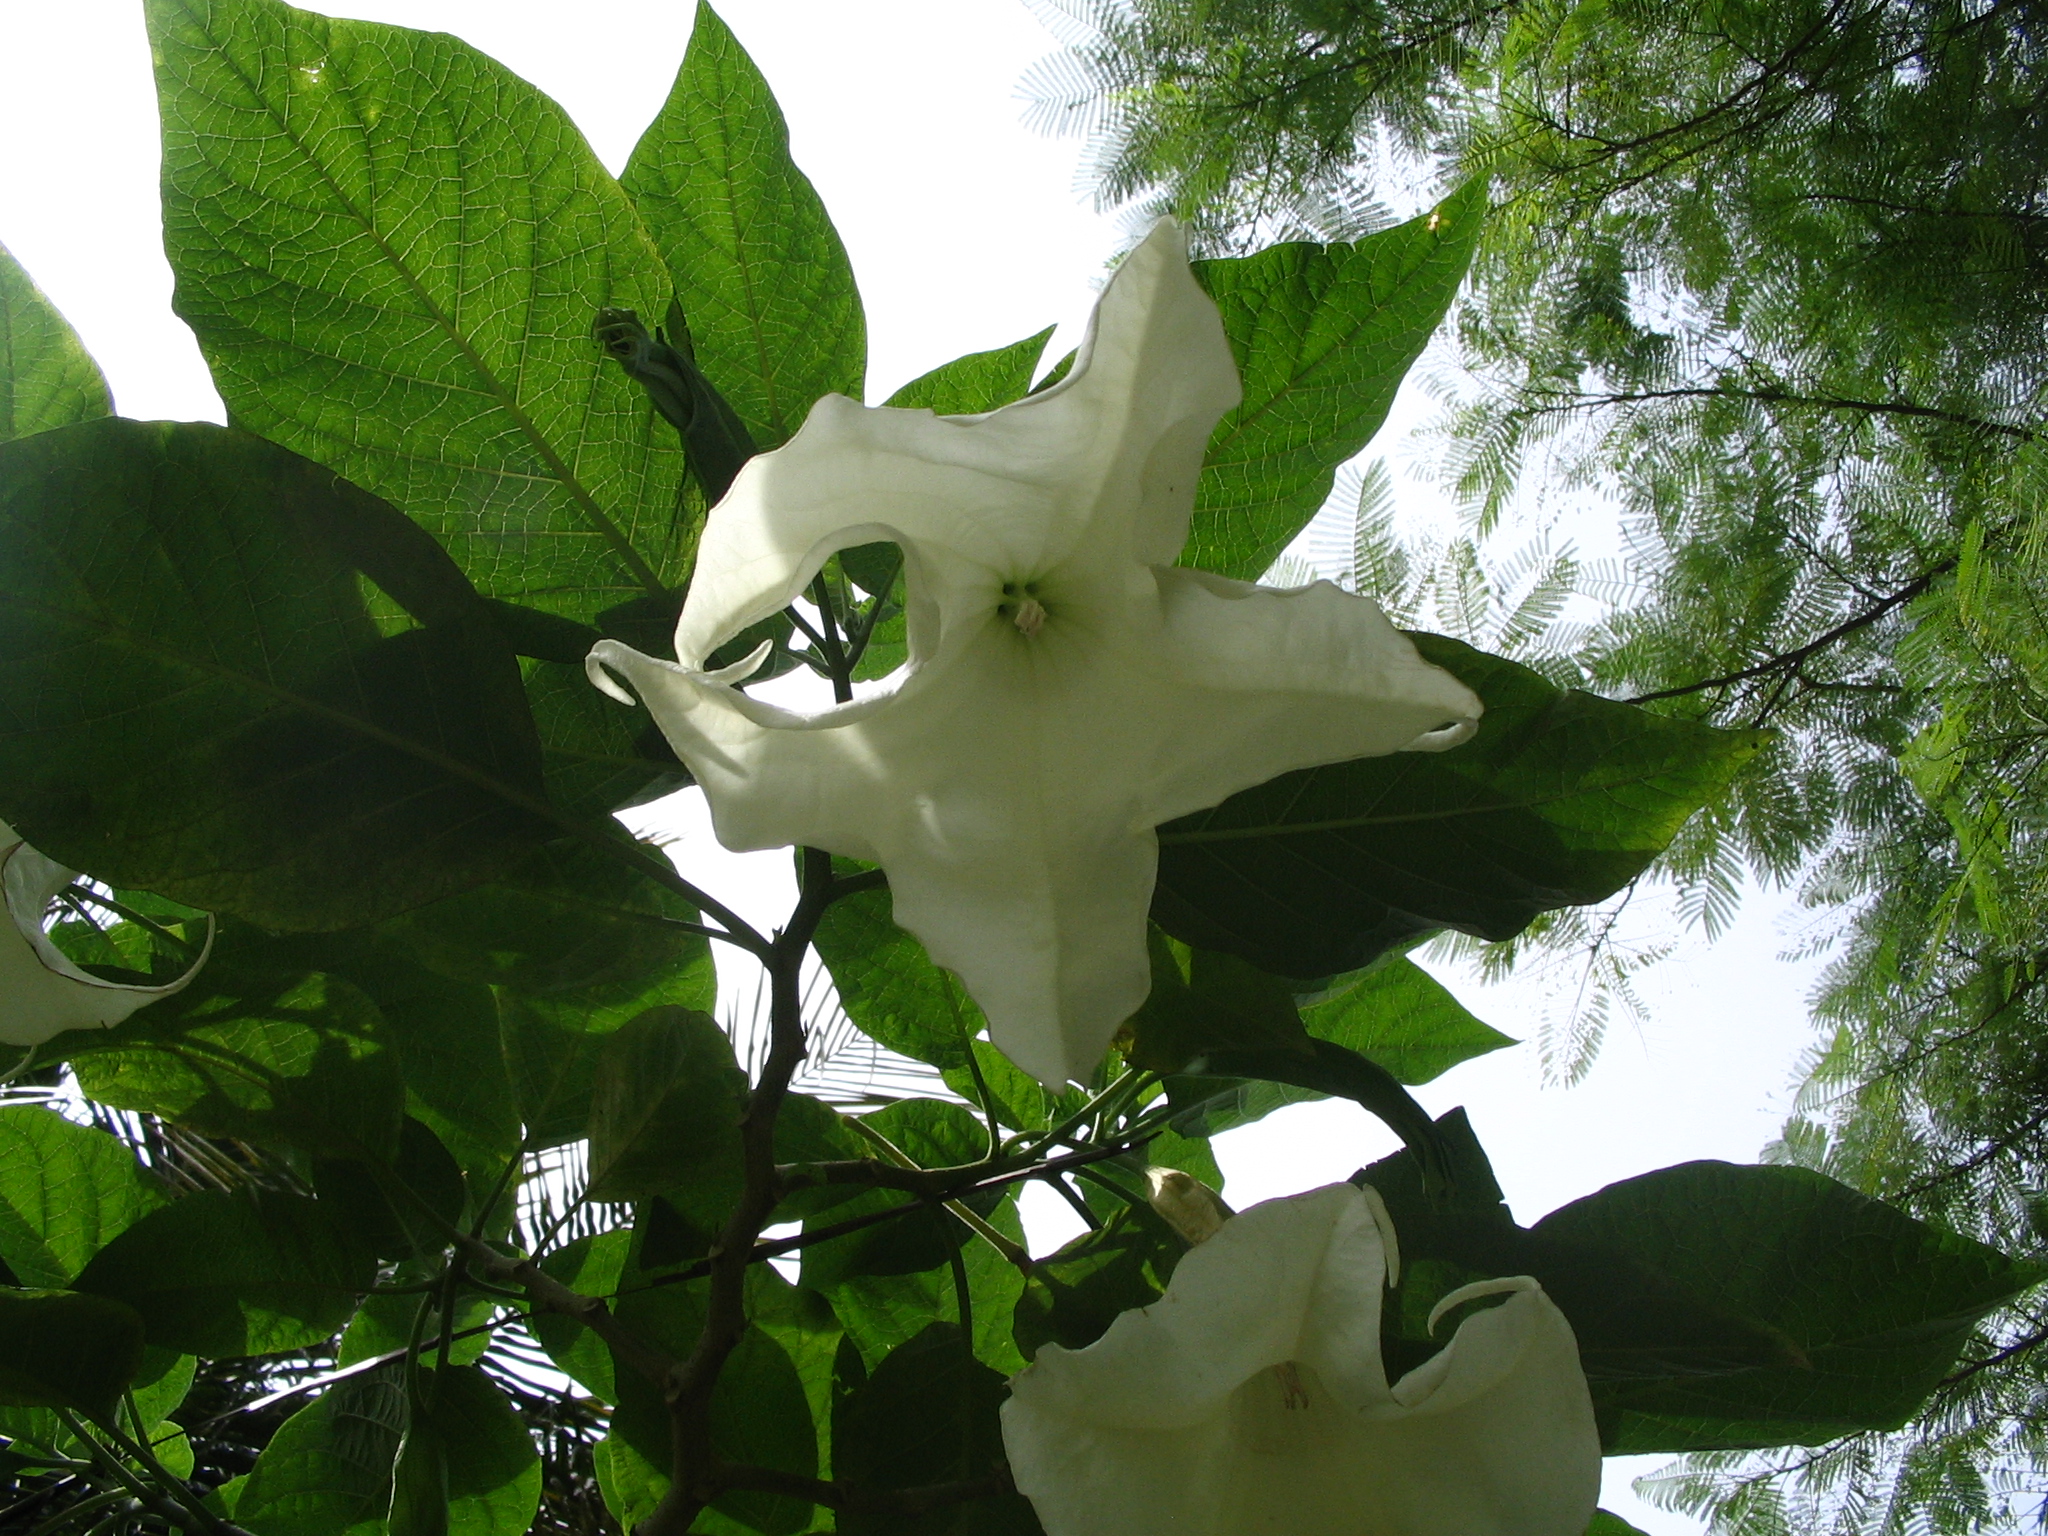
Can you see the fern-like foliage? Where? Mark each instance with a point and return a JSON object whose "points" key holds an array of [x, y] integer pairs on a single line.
{"points": [[1771, 277]]}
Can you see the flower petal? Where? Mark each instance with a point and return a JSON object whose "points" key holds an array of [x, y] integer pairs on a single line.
{"points": [[1250, 1399], [42, 991], [1276, 680], [1109, 456]]}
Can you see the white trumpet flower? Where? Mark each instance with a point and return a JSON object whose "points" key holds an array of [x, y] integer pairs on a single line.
{"points": [[1250, 1400], [42, 992], [1068, 688]]}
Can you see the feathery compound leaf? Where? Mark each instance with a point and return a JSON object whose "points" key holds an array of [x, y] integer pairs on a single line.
{"points": [[764, 283], [1561, 799], [1323, 337], [392, 249], [47, 379]]}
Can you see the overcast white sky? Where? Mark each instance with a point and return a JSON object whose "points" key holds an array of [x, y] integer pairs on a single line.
{"points": [[966, 232]]}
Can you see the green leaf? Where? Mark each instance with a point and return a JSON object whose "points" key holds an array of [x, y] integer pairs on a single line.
{"points": [[566, 919], [482, 1475], [1073, 1296], [47, 378], [223, 1275], [197, 703], [889, 986], [596, 756], [665, 1114], [590, 1266], [1606, 1523], [879, 1312], [327, 1470], [66, 1191], [384, 1323], [808, 1130], [978, 382], [1202, 1001], [760, 273], [934, 1134], [63, 1350], [1323, 336], [392, 249], [1019, 1102], [552, 1064], [456, 1084], [1560, 799], [386, 1222], [1396, 1014], [1324, 1069], [302, 1060], [1632, 1323], [1873, 1305], [927, 1414], [760, 1413]]}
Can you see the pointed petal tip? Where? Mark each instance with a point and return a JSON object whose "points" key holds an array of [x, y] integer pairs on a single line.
{"points": [[46, 992]]}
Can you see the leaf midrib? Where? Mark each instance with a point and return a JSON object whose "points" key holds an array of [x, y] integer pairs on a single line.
{"points": [[1345, 823]]}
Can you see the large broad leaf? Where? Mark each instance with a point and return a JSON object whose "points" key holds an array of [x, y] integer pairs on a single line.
{"points": [[66, 1191], [1202, 1001], [300, 1060], [665, 1114], [760, 1414], [1716, 1306], [392, 249], [597, 757], [567, 919], [1240, 1045], [1073, 1296], [933, 1134], [47, 379], [1323, 335], [197, 703], [468, 1466], [445, 1034], [763, 280], [1560, 799], [889, 986], [63, 1350], [1396, 1014], [927, 1414], [980, 381], [365, 1198], [590, 1266], [1874, 1305], [216, 1274], [327, 1470]]}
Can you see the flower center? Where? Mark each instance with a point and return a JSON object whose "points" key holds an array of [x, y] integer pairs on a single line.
{"points": [[1020, 605]]}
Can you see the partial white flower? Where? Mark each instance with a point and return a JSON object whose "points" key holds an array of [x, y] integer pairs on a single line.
{"points": [[1250, 1398], [1068, 688], [42, 992]]}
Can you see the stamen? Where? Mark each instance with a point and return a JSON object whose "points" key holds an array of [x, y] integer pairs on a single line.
{"points": [[1029, 617]]}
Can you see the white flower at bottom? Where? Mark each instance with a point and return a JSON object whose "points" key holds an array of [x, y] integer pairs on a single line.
{"points": [[42, 992], [1250, 1398]]}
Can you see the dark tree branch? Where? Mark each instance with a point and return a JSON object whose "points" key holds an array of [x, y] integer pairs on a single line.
{"points": [[1789, 661], [1787, 397]]}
